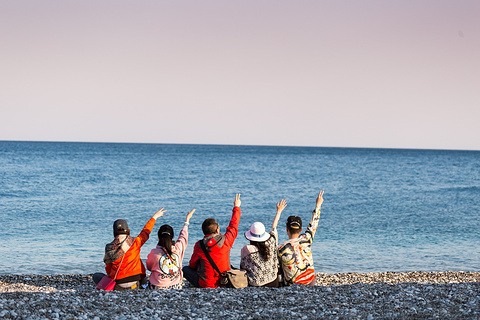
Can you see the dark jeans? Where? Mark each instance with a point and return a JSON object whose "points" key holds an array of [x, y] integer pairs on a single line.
{"points": [[273, 284], [97, 277], [191, 275]]}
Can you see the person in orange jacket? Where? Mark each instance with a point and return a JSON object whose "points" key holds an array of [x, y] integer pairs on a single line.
{"points": [[199, 272], [122, 255]]}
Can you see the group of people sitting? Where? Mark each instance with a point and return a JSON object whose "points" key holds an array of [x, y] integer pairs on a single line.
{"points": [[265, 262]]}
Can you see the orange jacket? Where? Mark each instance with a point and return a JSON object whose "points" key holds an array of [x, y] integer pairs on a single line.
{"points": [[132, 265]]}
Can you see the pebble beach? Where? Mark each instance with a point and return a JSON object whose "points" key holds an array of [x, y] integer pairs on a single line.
{"points": [[409, 295]]}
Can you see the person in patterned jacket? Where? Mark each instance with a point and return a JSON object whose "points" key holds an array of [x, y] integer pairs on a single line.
{"points": [[295, 254], [259, 258]]}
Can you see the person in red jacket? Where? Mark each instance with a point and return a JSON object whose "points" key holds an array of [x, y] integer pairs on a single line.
{"points": [[122, 255], [200, 272]]}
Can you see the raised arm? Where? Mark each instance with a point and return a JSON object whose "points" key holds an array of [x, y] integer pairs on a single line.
{"points": [[182, 240], [145, 234], [319, 201], [232, 229], [312, 226], [159, 213], [237, 201], [189, 216], [280, 206]]}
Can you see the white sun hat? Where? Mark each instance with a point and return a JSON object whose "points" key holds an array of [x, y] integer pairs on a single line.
{"points": [[257, 233]]}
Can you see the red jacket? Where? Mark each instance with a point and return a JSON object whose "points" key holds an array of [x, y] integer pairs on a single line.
{"points": [[219, 246], [132, 265]]}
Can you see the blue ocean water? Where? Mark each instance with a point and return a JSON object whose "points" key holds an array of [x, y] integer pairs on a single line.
{"points": [[384, 209]]}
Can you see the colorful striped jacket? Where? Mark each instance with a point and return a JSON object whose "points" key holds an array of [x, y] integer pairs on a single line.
{"points": [[295, 255]]}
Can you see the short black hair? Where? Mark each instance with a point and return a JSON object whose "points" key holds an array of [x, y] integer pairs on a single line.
{"points": [[209, 226]]}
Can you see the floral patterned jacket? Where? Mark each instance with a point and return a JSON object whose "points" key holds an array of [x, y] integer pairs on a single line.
{"points": [[295, 255]]}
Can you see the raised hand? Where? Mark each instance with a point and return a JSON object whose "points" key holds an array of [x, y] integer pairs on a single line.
{"points": [[159, 213], [237, 201], [189, 215], [319, 200], [281, 205]]}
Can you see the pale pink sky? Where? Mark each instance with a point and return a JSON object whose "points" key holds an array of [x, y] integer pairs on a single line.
{"points": [[398, 74]]}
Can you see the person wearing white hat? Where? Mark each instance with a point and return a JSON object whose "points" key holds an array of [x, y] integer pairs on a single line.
{"points": [[259, 258]]}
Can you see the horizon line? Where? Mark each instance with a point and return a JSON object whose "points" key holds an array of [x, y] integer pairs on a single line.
{"points": [[243, 145]]}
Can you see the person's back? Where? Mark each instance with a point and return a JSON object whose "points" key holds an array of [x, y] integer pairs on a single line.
{"points": [[122, 255], [295, 254], [261, 266], [166, 265], [130, 264], [199, 271], [259, 258]]}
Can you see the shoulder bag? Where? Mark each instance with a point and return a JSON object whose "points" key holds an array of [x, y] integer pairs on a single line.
{"points": [[107, 283], [231, 278]]}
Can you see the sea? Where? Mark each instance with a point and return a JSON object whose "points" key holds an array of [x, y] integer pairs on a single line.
{"points": [[384, 209]]}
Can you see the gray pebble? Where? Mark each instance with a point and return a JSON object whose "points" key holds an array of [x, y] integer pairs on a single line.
{"points": [[349, 295]]}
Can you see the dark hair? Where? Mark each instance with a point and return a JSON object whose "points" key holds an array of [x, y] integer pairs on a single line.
{"points": [[165, 238], [263, 249], [209, 226], [293, 230]]}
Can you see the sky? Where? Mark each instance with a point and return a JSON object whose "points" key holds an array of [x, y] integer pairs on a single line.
{"points": [[343, 73]]}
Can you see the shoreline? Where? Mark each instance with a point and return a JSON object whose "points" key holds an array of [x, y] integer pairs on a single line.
{"points": [[449, 294]]}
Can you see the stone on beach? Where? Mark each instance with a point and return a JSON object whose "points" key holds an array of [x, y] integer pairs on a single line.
{"points": [[349, 295]]}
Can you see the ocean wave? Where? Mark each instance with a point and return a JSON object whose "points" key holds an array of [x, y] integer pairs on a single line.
{"points": [[460, 189]]}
